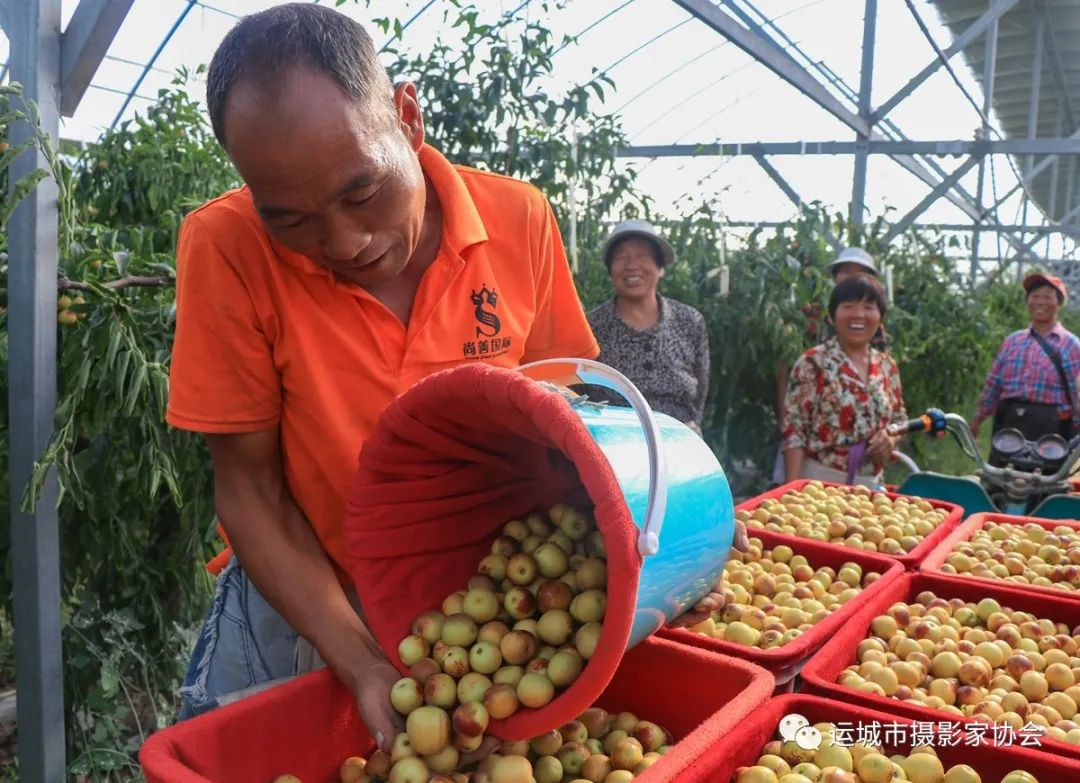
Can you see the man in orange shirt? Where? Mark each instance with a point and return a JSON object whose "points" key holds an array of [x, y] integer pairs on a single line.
{"points": [[355, 262]]}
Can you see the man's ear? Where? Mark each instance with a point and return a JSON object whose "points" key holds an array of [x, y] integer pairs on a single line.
{"points": [[409, 117]]}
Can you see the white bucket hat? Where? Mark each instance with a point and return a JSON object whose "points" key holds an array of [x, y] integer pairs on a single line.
{"points": [[857, 256], [638, 228]]}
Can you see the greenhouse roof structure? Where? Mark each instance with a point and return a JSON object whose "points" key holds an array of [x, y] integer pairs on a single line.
{"points": [[679, 82], [1035, 84], [758, 105]]}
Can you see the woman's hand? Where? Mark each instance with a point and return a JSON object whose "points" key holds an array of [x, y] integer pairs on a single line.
{"points": [[881, 445]]}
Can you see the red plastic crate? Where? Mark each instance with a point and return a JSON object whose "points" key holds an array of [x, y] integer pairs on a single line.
{"points": [[742, 747], [820, 673], [785, 661], [976, 522], [910, 560], [309, 726]]}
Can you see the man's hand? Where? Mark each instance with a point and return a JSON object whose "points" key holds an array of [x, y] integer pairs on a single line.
{"points": [[742, 539], [371, 685], [715, 600], [975, 426]]}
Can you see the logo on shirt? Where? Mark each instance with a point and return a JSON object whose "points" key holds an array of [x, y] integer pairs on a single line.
{"points": [[486, 318], [488, 343]]}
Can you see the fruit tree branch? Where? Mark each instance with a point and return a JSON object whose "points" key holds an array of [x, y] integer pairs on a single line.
{"points": [[131, 281]]}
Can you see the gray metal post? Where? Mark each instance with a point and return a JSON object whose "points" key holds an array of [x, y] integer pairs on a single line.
{"points": [[989, 61], [34, 32], [1036, 90], [866, 82], [1070, 177], [1059, 123]]}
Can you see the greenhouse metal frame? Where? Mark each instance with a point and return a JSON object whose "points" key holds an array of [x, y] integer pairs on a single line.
{"points": [[55, 69]]}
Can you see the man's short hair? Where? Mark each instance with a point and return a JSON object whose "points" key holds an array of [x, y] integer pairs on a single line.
{"points": [[266, 45]]}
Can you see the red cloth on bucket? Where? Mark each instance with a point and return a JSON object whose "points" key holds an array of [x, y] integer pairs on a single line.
{"points": [[451, 461]]}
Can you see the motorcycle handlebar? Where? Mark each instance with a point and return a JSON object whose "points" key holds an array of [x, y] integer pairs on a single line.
{"points": [[920, 424], [931, 421], [934, 421]]}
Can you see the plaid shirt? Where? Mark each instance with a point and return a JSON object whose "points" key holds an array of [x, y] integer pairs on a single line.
{"points": [[1023, 371]]}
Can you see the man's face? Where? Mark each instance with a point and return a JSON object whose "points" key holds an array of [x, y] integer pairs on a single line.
{"points": [[848, 271], [333, 180], [634, 271], [1042, 304]]}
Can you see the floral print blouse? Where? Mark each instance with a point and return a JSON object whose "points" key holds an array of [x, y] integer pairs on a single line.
{"points": [[828, 408]]}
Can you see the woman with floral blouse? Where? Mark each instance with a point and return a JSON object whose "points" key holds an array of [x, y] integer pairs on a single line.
{"points": [[843, 394]]}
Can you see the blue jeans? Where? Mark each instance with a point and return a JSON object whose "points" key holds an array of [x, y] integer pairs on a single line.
{"points": [[244, 646]]}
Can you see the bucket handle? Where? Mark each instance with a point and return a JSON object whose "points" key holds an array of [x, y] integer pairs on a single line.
{"points": [[594, 372]]}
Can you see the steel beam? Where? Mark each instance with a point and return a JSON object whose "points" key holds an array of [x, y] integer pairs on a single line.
{"points": [[84, 45], [1036, 90], [1069, 182], [989, 65], [1056, 66], [781, 183], [877, 146], [34, 32], [959, 227], [928, 172], [862, 142], [1051, 207], [974, 30], [904, 223], [1040, 167], [795, 198], [153, 59], [1072, 213], [780, 63]]}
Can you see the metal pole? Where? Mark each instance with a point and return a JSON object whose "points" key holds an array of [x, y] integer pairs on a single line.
{"points": [[866, 82], [573, 197], [1036, 91], [988, 92], [153, 59], [34, 32], [1070, 175], [1052, 205]]}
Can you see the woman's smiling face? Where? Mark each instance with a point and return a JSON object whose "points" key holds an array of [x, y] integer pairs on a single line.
{"points": [[857, 322], [634, 269]]}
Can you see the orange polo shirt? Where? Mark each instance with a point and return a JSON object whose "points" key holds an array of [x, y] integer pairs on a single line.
{"points": [[265, 337]]}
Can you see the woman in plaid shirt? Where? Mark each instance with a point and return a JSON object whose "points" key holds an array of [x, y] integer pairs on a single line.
{"points": [[1025, 388]]}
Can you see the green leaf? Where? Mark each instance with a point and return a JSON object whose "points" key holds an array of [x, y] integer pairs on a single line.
{"points": [[135, 386], [22, 189]]}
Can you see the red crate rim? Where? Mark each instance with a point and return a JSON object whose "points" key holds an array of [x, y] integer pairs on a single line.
{"points": [[779, 659], [909, 585], [935, 559], [909, 559]]}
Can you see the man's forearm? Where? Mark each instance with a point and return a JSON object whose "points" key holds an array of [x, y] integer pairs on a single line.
{"points": [[308, 596]]}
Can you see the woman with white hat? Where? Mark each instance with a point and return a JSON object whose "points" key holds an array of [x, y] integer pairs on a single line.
{"points": [[660, 344]]}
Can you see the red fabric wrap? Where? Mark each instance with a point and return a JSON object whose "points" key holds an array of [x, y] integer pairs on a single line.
{"points": [[451, 461], [309, 726]]}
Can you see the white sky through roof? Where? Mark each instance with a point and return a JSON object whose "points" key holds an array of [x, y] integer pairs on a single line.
{"points": [[677, 82]]}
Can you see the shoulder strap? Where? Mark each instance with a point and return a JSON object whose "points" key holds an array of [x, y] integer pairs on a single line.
{"points": [[1055, 357]]}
